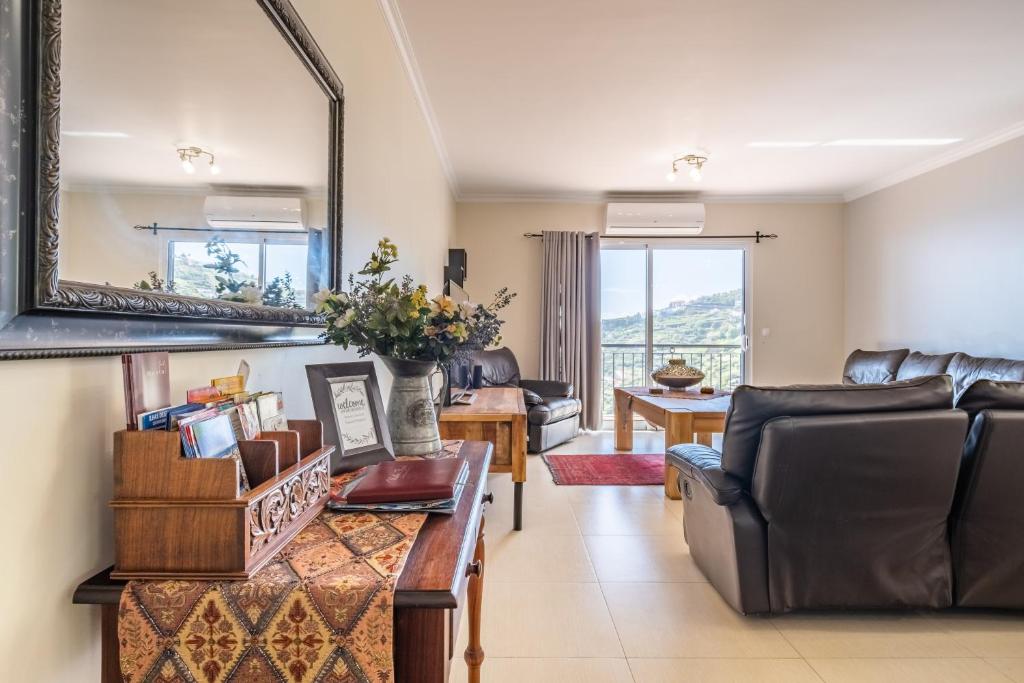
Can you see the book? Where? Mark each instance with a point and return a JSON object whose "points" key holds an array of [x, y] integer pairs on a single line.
{"points": [[250, 420], [397, 481], [446, 506], [231, 412], [270, 408], [202, 395], [227, 386], [213, 437], [178, 412], [154, 419], [147, 382]]}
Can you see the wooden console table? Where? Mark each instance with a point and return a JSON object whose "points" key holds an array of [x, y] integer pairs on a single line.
{"points": [[682, 414], [442, 576], [498, 415]]}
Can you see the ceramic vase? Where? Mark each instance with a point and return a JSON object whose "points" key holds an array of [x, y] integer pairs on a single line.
{"points": [[412, 414]]}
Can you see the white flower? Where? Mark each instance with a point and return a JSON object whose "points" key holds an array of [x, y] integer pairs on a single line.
{"points": [[251, 295], [468, 309], [346, 319], [320, 299]]}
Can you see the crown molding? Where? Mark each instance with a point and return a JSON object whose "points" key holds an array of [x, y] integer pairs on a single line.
{"points": [[396, 26], [961, 152], [604, 197]]}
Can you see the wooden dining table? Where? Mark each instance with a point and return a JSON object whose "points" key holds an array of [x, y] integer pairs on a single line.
{"points": [[685, 415]]}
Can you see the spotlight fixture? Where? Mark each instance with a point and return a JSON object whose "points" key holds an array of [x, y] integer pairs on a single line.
{"points": [[187, 154], [694, 161]]}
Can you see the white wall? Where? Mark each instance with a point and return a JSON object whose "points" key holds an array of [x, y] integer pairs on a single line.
{"points": [[935, 263], [57, 417], [797, 283]]}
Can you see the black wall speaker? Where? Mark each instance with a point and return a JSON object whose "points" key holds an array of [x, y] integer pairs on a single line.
{"points": [[455, 271]]}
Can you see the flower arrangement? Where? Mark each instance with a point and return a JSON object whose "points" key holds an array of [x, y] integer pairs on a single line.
{"points": [[395, 318]]}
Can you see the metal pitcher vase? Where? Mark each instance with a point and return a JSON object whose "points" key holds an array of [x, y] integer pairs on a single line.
{"points": [[412, 407]]}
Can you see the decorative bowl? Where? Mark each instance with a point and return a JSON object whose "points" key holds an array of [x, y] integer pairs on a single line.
{"points": [[677, 374]]}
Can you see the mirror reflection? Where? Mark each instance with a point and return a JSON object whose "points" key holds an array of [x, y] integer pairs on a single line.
{"points": [[194, 149]]}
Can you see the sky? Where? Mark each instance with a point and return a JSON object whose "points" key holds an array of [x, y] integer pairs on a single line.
{"points": [[678, 274]]}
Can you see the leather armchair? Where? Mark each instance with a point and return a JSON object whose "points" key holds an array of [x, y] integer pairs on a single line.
{"points": [[827, 497], [553, 414]]}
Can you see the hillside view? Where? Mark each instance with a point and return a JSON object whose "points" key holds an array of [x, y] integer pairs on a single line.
{"points": [[711, 319]]}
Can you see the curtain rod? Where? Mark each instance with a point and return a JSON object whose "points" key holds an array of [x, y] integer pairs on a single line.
{"points": [[156, 228], [757, 236]]}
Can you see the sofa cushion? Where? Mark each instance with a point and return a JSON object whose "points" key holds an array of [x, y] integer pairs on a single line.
{"points": [[531, 398], [873, 367], [966, 370], [919, 364], [751, 407], [990, 394], [553, 409], [500, 368]]}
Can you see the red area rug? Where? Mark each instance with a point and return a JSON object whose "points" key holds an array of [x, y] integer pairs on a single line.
{"points": [[625, 469]]}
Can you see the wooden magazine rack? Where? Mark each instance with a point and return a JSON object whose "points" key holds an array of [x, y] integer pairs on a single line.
{"points": [[178, 517]]}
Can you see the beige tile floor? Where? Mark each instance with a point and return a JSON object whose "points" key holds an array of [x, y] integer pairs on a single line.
{"points": [[599, 587]]}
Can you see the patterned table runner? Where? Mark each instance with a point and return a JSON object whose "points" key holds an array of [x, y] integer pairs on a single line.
{"points": [[688, 395], [321, 610]]}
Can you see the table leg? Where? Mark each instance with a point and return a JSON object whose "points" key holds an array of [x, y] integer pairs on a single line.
{"points": [[678, 429], [110, 657], [517, 505], [704, 438], [518, 447], [623, 421], [475, 593]]}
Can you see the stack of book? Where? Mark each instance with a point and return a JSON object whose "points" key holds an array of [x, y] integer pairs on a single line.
{"points": [[406, 486], [213, 419]]}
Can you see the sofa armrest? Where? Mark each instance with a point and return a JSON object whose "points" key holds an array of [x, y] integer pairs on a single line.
{"points": [[532, 398], [547, 387], [705, 465]]}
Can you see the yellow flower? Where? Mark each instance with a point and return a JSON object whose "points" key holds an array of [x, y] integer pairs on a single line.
{"points": [[443, 304], [419, 299]]}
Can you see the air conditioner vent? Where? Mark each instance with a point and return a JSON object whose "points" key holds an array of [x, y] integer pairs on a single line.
{"points": [[625, 219]]}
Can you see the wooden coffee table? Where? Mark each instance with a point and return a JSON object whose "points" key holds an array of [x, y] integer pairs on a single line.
{"points": [[683, 414], [498, 415]]}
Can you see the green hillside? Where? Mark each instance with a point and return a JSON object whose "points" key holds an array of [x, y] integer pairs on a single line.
{"points": [[711, 319]]}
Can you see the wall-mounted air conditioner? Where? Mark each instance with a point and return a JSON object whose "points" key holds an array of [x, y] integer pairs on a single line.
{"points": [[254, 213], [666, 219]]}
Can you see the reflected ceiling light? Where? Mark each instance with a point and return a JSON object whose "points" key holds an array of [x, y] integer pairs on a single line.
{"points": [[187, 154], [94, 134], [892, 142], [694, 161], [782, 144]]}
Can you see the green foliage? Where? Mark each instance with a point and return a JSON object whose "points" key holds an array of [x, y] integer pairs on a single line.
{"points": [[280, 292], [225, 266], [711, 319], [154, 284]]}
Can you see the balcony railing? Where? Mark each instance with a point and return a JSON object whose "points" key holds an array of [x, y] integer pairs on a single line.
{"points": [[625, 365]]}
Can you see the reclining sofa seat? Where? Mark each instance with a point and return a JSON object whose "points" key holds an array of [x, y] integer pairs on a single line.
{"points": [[827, 496], [988, 519]]}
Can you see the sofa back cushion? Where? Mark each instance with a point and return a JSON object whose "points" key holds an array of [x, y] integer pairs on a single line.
{"points": [[966, 370], [751, 407], [919, 364], [990, 394], [873, 367], [857, 508], [500, 368]]}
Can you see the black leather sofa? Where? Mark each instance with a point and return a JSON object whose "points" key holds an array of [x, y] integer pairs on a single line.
{"points": [[827, 497], [553, 414], [874, 367]]}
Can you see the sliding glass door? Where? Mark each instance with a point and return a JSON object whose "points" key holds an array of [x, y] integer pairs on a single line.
{"points": [[661, 302]]}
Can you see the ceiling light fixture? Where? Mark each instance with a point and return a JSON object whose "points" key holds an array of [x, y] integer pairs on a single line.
{"points": [[892, 142], [694, 161], [781, 144], [187, 154]]}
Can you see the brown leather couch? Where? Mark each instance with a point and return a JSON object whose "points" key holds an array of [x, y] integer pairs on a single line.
{"points": [[835, 496], [552, 413], [875, 367]]}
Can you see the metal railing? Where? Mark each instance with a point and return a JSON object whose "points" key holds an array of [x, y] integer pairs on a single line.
{"points": [[625, 365]]}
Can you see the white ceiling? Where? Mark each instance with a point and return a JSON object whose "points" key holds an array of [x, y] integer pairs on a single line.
{"points": [[170, 73], [542, 98]]}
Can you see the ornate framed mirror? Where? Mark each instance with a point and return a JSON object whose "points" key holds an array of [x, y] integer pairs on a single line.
{"points": [[170, 176]]}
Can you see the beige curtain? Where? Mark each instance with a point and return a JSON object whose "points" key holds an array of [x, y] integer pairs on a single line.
{"points": [[570, 331]]}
